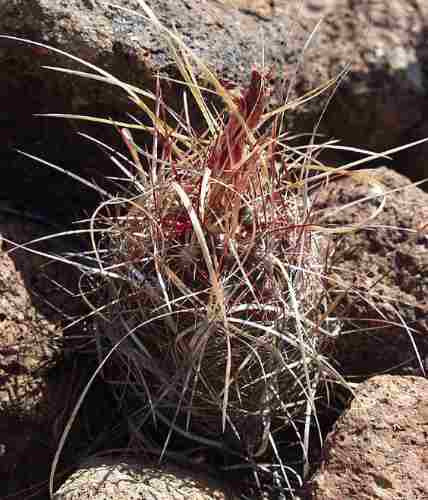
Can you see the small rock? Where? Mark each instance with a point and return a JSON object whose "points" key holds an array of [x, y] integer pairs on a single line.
{"points": [[100, 479], [378, 447]]}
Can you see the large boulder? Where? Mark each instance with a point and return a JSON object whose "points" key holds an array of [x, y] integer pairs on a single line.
{"points": [[28, 339], [377, 449], [382, 100], [228, 39]]}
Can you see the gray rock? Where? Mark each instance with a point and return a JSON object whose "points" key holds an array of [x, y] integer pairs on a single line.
{"points": [[102, 479], [229, 40]]}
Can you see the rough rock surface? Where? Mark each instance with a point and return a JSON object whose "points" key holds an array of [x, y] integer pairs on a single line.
{"points": [[32, 395], [384, 269], [100, 479], [378, 447], [229, 40], [29, 343], [382, 101]]}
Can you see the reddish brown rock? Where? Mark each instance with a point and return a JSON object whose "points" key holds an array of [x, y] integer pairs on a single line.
{"points": [[378, 447], [383, 270], [382, 100], [29, 341]]}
